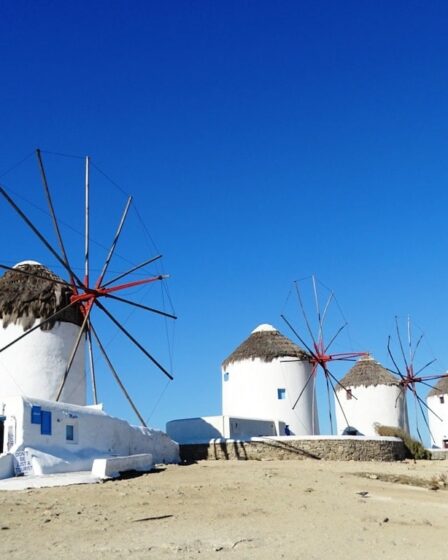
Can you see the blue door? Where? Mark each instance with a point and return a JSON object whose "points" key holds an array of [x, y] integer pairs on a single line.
{"points": [[45, 423]]}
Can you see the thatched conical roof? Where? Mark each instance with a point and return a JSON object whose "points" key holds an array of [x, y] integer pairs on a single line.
{"points": [[367, 372], [441, 388], [25, 298], [267, 344]]}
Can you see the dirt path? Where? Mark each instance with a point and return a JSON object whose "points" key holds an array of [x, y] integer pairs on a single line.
{"points": [[257, 509]]}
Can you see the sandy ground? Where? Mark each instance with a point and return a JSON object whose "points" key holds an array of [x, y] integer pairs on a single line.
{"points": [[254, 509]]}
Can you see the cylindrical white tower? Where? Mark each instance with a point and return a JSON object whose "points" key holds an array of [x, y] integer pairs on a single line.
{"points": [[372, 396], [437, 401], [35, 365], [264, 377]]}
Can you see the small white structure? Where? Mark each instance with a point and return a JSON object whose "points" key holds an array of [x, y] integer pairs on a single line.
{"points": [[35, 365], [44, 437], [372, 396], [264, 377], [206, 428], [437, 401]]}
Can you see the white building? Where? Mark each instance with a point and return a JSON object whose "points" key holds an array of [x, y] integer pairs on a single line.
{"points": [[35, 365], [372, 396], [264, 377], [45, 437], [437, 401]]}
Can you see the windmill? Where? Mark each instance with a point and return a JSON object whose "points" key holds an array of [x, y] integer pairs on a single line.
{"points": [[410, 376], [85, 295], [318, 346]]}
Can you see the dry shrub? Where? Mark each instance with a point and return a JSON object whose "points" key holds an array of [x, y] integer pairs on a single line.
{"points": [[438, 481], [414, 447]]}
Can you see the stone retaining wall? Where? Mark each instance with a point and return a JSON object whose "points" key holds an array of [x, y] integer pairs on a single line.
{"points": [[439, 454], [339, 449]]}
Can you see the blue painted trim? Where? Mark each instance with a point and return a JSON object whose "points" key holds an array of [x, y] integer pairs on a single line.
{"points": [[36, 414]]}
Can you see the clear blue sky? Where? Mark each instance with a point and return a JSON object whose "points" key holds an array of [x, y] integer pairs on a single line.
{"points": [[263, 141]]}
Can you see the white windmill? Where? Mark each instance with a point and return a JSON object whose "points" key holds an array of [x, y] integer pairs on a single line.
{"points": [[437, 401], [47, 319], [370, 395], [263, 377], [410, 378]]}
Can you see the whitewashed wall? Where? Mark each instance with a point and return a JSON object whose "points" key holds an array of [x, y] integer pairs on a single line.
{"points": [[251, 391], [206, 428], [6, 466], [382, 404], [196, 430], [35, 365], [439, 429]]}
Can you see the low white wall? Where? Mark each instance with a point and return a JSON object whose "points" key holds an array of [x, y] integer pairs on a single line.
{"points": [[244, 428], [34, 461], [6, 466], [196, 430], [113, 466], [202, 430]]}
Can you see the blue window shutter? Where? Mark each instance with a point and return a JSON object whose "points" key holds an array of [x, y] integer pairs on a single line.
{"points": [[70, 432], [45, 424], [35, 414]]}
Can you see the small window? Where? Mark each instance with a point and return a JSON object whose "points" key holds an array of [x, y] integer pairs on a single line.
{"points": [[226, 376], [442, 399], [349, 394], [35, 414], [281, 394], [70, 432]]}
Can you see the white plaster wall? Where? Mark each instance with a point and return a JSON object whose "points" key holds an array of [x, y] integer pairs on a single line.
{"points": [[96, 435], [113, 466], [35, 365], [244, 428], [251, 392], [206, 428], [439, 429], [6, 466], [382, 404], [196, 430], [13, 426]]}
